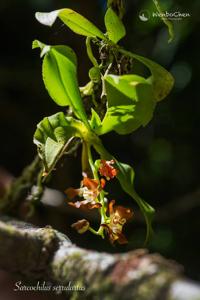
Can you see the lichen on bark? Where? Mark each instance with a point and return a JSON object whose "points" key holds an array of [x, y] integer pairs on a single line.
{"points": [[46, 254]]}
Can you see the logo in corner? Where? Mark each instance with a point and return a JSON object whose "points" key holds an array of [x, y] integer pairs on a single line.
{"points": [[144, 15]]}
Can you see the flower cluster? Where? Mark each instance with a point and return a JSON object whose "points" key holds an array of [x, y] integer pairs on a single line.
{"points": [[106, 169], [90, 195], [89, 191], [119, 215]]}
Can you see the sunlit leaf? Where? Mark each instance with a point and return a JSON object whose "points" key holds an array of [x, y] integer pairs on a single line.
{"points": [[44, 48], [52, 151], [73, 20], [52, 135], [115, 28], [161, 80], [59, 72], [130, 104]]}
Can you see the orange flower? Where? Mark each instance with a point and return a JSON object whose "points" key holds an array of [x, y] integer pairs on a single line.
{"points": [[85, 204], [89, 190], [72, 193], [107, 170], [119, 215]]}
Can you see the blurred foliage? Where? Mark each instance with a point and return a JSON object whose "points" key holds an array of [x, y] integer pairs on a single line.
{"points": [[165, 154]]}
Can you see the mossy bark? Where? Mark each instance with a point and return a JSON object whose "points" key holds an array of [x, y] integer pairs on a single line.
{"points": [[45, 254]]}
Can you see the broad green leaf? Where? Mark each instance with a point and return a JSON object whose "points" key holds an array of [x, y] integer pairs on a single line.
{"points": [[52, 135], [53, 81], [59, 72], [130, 104], [161, 79], [126, 177], [115, 28], [120, 119], [73, 20]]}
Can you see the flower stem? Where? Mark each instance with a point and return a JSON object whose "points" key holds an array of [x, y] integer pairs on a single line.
{"points": [[93, 230], [101, 194], [92, 166]]}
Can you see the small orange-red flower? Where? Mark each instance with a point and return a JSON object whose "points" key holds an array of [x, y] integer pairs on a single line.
{"points": [[89, 190], [107, 170], [119, 215]]}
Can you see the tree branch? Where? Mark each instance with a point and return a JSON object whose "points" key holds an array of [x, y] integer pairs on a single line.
{"points": [[19, 188], [44, 253]]}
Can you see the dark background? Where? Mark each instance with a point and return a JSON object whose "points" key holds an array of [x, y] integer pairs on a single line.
{"points": [[165, 154]]}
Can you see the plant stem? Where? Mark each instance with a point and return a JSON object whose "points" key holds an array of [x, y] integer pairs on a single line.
{"points": [[103, 78], [84, 159], [92, 166], [145, 208], [90, 53], [101, 194], [93, 231]]}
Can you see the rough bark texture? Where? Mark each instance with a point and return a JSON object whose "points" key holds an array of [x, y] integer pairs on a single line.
{"points": [[45, 254]]}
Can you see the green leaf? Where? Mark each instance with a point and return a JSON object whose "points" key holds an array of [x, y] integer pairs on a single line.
{"points": [[59, 72], [126, 177], [53, 135], [52, 151], [95, 121], [130, 104], [73, 20], [53, 81], [166, 21], [120, 119], [161, 80], [44, 48], [115, 28], [118, 5]]}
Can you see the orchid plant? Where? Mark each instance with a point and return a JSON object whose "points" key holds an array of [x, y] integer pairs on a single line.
{"points": [[113, 100]]}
